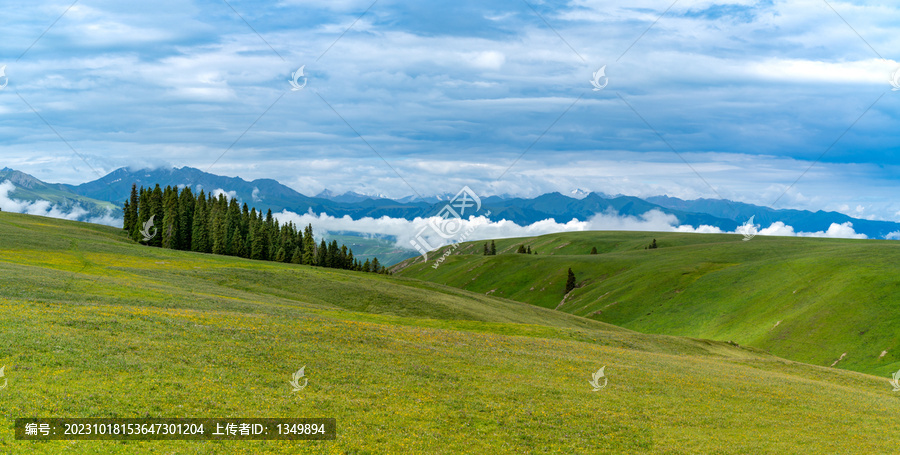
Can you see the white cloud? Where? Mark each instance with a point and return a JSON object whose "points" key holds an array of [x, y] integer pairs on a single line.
{"points": [[870, 71], [228, 194], [481, 228], [778, 228], [491, 60], [837, 231]]}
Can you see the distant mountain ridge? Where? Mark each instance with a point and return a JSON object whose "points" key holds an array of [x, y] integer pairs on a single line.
{"points": [[268, 194], [349, 196], [110, 191], [800, 220]]}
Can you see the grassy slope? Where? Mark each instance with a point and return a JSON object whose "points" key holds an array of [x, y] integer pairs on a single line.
{"points": [[827, 296], [94, 326]]}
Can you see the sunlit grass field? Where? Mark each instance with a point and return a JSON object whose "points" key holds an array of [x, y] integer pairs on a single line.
{"points": [[806, 299], [92, 325]]}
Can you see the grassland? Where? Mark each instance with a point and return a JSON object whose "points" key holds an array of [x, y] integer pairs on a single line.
{"points": [[807, 299], [92, 325]]}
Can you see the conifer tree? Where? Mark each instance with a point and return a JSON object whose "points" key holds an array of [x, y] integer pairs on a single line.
{"points": [[248, 246], [268, 235], [298, 241], [127, 220], [322, 254], [309, 246], [594, 250], [186, 203], [570, 281], [288, 236], [143, 214], [333, 257], [131, 211], [217, 231], [245, 219], [205, 223], [200, 226], [529, 250], [257, 238], [170, 226], [232, 223], [486, 251], [156, 211], [238, 247], [309, 254], [493, 248]]}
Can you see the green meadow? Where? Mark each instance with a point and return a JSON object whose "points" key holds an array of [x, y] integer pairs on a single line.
{"points": [[94, 325], [805, 299]]}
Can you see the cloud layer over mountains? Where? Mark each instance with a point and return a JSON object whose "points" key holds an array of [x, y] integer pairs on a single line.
{"points": [[406, 231], [428, 231]]}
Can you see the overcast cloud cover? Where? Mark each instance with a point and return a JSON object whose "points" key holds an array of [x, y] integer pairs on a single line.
{"points": [[451, 93]]}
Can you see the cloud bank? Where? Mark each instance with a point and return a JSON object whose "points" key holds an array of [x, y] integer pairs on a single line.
{"points": [[437, 232], [835, 231]]}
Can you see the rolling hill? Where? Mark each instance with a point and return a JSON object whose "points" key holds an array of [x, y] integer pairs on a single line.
{"points": [[29, 189], [807, 299], [93, 325]]}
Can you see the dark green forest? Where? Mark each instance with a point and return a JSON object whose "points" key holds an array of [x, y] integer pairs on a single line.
{"points": [[208, 224]]}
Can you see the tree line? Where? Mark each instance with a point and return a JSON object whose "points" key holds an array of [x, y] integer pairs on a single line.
{"points": [[492, 251], [214, 224]]}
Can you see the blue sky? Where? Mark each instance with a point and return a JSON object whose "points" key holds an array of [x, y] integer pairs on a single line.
{"points": [[733, 99]]}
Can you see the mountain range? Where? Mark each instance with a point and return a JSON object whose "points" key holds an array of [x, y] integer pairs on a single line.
{"points": [[109, 192]]}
